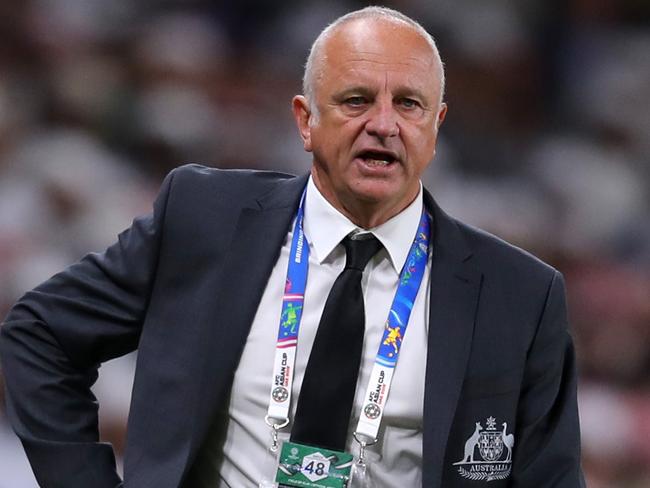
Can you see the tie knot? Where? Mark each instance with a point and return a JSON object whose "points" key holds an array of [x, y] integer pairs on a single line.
{"points": [[359, 250]]}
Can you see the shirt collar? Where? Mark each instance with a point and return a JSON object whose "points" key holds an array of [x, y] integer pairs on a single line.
{"points": [[325, 227]]}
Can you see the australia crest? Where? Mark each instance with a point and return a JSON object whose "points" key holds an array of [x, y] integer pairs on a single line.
{"points": [[488, 452]]}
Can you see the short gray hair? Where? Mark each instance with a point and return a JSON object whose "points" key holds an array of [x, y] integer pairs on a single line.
{"points": [[313, 66]]}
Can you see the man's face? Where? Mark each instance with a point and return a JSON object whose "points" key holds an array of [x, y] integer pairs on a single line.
{"points": [[378, 107]]}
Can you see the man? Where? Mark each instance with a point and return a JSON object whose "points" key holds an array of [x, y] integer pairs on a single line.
{"points": [[484, 389]]}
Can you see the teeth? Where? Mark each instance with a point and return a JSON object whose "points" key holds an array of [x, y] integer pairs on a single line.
{"points": [[376, 162]]}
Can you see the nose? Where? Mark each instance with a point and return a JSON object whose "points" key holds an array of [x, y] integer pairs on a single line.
{"points": [[382, 120]]}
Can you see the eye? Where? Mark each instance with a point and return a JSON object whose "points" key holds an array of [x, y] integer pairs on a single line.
{"points": [[408, 103], [356, 101]]}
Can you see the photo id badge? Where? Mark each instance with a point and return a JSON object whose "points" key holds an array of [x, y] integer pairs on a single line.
{"points": [[313, 467]]}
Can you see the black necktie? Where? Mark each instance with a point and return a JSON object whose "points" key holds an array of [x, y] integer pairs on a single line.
{"points": [[327, 392]]}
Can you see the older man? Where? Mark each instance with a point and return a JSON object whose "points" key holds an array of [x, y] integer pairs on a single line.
{"points": [[300, 329]]}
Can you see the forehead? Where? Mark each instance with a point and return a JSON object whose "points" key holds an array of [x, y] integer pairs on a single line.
{"points": [[377, 46]]}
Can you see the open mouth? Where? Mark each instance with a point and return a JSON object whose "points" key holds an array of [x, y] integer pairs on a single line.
{"points": [[377, 158]]}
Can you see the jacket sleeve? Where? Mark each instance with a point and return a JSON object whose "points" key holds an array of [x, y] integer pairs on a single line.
{"points": [[548, 432], [55, 337]]}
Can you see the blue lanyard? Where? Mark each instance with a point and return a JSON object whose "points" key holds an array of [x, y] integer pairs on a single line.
{"points": [[409, 284], [296, 282], [381, 375], [292, 307]]}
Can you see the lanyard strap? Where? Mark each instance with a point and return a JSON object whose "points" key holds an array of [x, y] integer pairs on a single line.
{"points": [[397, 322], [389, 347], [292, 302]]}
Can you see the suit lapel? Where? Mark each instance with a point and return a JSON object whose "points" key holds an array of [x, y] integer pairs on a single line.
{"points": [[455, 287], [255, 246]]}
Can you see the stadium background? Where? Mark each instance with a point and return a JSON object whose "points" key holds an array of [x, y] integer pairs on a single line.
{"points": [[546, 143]]}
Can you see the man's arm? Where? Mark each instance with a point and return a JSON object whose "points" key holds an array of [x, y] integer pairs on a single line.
{"points": [[548, 432], [55, 337]]}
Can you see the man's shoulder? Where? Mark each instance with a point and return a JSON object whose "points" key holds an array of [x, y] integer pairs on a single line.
{"points": [[498, 257], [196, 186], [488, 251], [497, 247], [198, 174]]}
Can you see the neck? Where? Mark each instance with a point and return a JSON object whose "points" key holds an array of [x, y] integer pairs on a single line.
{"points": [[365, 214], [366, 217]]}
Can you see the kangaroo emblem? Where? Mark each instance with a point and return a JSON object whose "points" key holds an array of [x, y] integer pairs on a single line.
{"points": [[494, 448], [470, 445]]}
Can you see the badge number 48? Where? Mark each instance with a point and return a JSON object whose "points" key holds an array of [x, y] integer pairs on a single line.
{"points": [[315, 467]]}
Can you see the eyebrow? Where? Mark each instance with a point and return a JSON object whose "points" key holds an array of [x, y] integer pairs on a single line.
{"points": [[360, 90]]}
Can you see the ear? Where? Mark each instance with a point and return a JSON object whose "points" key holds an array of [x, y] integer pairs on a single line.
{"points": [[442, 113], [302, 115]]}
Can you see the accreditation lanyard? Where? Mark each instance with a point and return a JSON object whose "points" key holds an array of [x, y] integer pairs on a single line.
{"points": [[389, 347], [287, 341], [397, 322]]}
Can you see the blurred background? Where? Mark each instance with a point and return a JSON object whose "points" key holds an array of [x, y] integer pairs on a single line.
{"points": [[546, 143]]}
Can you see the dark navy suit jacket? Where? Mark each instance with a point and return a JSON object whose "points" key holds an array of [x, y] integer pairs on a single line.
{"points": [[182, 286]]}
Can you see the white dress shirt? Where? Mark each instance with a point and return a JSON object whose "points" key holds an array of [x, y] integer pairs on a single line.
{"points": [[236, 452]]}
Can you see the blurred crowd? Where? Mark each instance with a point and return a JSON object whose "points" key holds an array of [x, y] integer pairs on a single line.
{"points": [[546, 143]]}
